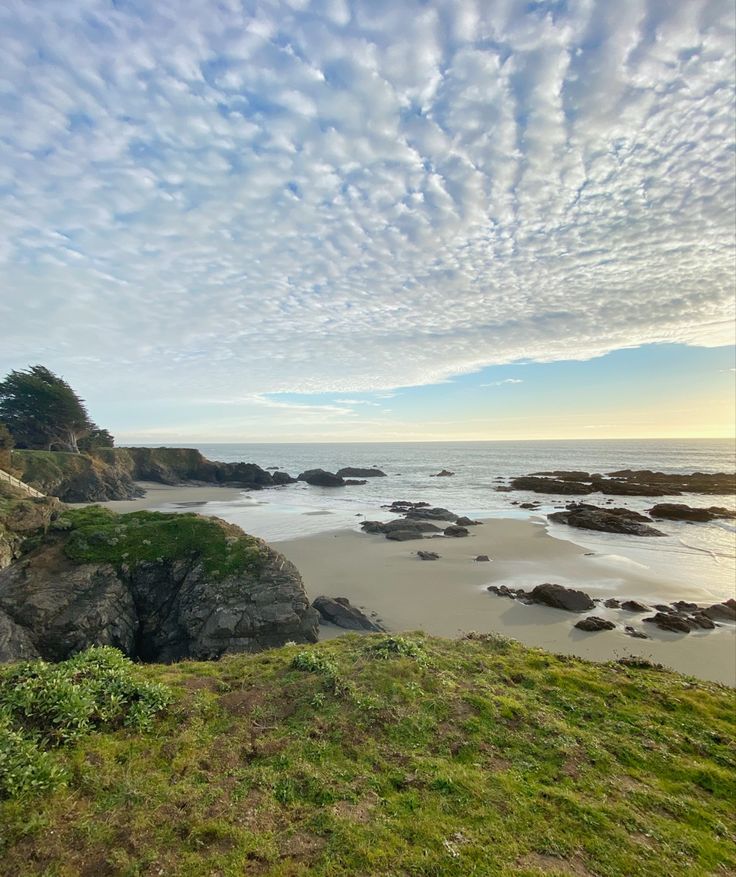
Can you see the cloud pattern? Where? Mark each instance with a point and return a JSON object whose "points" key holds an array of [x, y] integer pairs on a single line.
{"points": [[225, 199]]}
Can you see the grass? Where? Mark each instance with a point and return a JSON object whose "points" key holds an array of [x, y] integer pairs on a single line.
{"points": [[97, 535], [376, 755]]}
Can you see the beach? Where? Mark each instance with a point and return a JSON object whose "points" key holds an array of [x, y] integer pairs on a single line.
{"points": [[448, 597], [157, 495]]}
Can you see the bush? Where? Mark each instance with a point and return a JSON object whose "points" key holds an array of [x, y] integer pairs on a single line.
{"points": [[397, 645], [43, 706]]}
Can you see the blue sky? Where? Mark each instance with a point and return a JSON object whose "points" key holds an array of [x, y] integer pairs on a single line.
{"points": [[322, 219]]}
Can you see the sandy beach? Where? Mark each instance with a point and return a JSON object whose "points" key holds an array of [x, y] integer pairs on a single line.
{"points": [[448, 597], [158, 495]]}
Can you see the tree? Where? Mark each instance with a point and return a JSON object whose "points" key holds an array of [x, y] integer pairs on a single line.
{"points": [[6, 446], [97, 438], [42, 411]]}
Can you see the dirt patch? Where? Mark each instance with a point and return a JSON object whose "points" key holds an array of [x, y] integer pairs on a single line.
{"points": [[552, 865], [242, 702], [200, 683], [359, 811], [301, 845]]}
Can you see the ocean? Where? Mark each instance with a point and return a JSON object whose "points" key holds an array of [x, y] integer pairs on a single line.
{"points": [[699, 556]]}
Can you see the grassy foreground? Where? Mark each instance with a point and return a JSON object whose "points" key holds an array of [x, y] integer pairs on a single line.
{"points": [[380, 755]]}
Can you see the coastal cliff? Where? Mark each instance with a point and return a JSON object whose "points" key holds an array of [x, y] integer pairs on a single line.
{"points": [[157, 587]]}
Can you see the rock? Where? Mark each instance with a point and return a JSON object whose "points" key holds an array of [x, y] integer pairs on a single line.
{"points": [[401, 524], [627, 482], [455, 531], [560, 597], [483, 558], [676, 511], [502, 591], [550, 485], [673, 623], [684, 606], [320, 478], [594, 623], [637, 634], [721, 611], [634, 606], [337, 610], [445, 473], [15, 641], [428, 555], [528, 505], [467, 522], [616, 520], [356, 472], [661, 607], [280, 478], [612, 603], [430, 514], [404, 535], [565, 474], [184, 604], [354, 482], [702, 620]]}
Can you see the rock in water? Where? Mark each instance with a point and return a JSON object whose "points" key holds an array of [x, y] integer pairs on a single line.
{"points": [[445, 473], [483, 558], [560, 597], [356, 472], [616, 520], [158, 587], [676, 511], [634, 606], [455, 531], [636, 634], [670, 622], [721, 611], [338, 610], [320, 478], [594, 623], [428, 555]]}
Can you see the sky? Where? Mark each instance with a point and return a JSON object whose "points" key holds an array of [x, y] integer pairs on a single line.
{"points": [[304, 220]]}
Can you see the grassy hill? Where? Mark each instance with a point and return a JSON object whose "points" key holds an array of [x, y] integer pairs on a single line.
{"points": [[381, 755]]}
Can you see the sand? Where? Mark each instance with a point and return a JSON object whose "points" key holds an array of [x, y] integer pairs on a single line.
{"points": [[448, 597], [158, 495]]}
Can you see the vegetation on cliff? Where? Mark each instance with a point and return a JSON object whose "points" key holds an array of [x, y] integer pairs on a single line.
{"points": [[395, 756]]}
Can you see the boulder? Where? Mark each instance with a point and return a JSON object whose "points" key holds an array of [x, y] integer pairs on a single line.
{"points": [[445, 473], [502, 591], [670, 622], [428, 555], [626, 482], [684, 606], [354, 482], [337, 610], [549, 485], [721, 611], [399, 524], [321, 478], [404, 535], [455, 531], [594, 623], [634, 606], [356, 472], [615, 520], [467, 522], [483, 558], [560, 597], [636, 634], [430, 514], [702, 620], [676, 511], [280, 478], [612, 603]]}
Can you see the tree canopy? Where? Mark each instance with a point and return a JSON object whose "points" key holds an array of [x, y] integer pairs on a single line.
{"points": [[43, 412]]}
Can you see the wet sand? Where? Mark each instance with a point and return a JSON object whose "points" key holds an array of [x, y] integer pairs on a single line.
{"points": [[158, 495], [448, 597]]}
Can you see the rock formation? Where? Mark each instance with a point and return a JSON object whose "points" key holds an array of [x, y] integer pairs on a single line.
{"points": [[675, 511], [321, 478], [356, 472], [337, 610], [615, 520]]}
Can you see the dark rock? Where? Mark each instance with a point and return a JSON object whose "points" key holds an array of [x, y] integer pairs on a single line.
{"points": [[467, 522], [431, 514], [565, 474], [400, 524], [676, 511], [560, 597], [320, 478], [702, 620], [670, 622], [404, 535], [684, 606], [612, 603], [356, 472], [428, 555], [528, 505], [627, 482], [661, 607], [445, 473], [483, 558], [721, 611], [616, 520], [353, 482], [550, 485], [502, 591], [594, 623], [634, 606], [280, 478], [163, 610], [338, 611], [637, 634], [454, 530]]}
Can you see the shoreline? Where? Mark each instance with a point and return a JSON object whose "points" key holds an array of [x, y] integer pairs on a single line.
{"points": [[164, 494], [448, 597]]}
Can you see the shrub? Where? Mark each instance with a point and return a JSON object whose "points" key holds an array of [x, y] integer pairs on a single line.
{"points": [[47, 705], [397, 645]]}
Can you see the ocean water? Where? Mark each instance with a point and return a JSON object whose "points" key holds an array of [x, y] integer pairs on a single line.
{"points": [[703, 555]]}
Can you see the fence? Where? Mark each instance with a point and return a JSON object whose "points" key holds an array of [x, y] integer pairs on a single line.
{"points": [[21, 485]]}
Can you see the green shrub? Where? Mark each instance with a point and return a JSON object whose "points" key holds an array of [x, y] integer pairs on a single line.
{"points": [[46, 705], [392, 646]]}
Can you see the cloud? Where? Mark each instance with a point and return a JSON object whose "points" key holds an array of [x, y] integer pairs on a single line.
{"points": [[347, 197], [505, 381]]}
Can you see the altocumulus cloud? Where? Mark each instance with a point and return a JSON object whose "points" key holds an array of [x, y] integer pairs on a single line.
{"points": [[350, 196]]}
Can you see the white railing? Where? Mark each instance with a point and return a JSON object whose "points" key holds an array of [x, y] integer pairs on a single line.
{"points": [[21, 485]]}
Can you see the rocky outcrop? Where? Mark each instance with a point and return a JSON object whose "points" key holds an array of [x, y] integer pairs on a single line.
{"points": [[675, 511], [593, 623], [456, 532], [337, 610], [400, 524], [430, 514], [75, 477], [560, 597], [21, 518], [634, 606], [721, 611], [615, 520], [321, 478], [626, 482], [356, 472], [670, 622], [158, 587]]}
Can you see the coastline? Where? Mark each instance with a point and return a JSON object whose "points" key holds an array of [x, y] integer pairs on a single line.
{"points": [[448, 597], [163, 494]]}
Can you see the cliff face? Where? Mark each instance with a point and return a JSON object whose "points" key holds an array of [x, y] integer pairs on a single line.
{"points": [[111, 472], [158, 587], [22, 517]]}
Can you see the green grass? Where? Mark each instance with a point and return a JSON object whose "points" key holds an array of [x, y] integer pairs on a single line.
{"points": [[376, 755], [97, 535]]}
